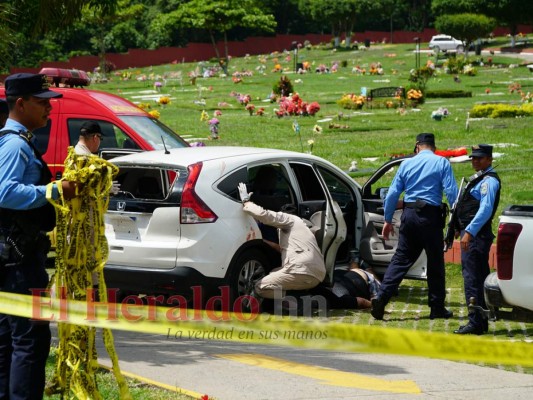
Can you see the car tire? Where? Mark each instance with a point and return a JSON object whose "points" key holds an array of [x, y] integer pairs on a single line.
{"points": [[460, 49], [245, 270], [436, 49]]}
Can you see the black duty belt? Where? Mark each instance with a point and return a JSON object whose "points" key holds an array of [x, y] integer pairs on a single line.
{"points": [[418, 204]]}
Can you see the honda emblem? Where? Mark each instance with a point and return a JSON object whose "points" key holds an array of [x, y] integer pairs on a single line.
{"points": [[121, 205]]}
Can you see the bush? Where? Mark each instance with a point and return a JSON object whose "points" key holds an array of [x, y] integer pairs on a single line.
{"points": [[447, 94], [352, 101], [283, 87], [501, 111]]}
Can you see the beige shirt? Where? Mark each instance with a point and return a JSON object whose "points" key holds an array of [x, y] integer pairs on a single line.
{"points": [[300, 253]]}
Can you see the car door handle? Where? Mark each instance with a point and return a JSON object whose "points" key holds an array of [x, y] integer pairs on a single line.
{"points": [[116, 248]]}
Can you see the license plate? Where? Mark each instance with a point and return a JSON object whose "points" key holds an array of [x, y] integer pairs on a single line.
{"points": [[125, 227]]}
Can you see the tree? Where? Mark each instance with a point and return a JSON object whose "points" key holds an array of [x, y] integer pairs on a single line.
{"points": [[508, 12], [341, 15], [221, 17], [24, 21], [465, 27]]}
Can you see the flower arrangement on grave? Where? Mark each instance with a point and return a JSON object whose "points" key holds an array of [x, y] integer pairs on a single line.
{"points": [[352, 101], [294, 105], [414, 94], [515, 87], [154, 113], [204, 116], [213, 128], [144, 106], [164, 100], [310, 143], [260, 111], [527, 98], [250, 108], [439, 114]]}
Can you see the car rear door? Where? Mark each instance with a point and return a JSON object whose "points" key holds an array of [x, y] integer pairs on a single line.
{"points": [[142, 221]]}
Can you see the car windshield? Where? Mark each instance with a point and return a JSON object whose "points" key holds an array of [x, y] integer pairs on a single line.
{"points": [[152, 131]]}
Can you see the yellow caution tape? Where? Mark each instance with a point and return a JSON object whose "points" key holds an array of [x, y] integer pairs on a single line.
{"points": [[182, 324], [81, 253]]}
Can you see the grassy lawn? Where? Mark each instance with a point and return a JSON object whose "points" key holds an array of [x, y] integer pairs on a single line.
{"points": [[108, 387], [368, 136], [349, 135]]}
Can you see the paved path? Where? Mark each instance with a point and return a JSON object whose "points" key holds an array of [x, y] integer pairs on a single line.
{"points": [[233, 371]]}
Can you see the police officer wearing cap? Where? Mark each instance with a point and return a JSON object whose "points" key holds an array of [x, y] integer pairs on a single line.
{"points": [[25, 217], [475, 211], [4, 113], [423, 178]]}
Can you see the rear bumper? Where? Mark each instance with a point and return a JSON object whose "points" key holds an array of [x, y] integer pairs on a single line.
{"points": [[176, 281], [493, 293]]}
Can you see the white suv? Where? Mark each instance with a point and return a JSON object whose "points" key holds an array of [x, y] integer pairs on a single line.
{"points": [[445, 43], [177, 226]]}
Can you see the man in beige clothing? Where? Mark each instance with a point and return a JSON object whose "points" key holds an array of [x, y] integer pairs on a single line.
{"points": [[302, 263]]}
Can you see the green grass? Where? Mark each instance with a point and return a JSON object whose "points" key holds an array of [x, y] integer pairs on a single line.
{"points": [[381, 133], [108, 387]]}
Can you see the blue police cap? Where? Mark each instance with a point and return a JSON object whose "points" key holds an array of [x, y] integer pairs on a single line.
{"points": [[425, 138], [481, 150], [24, 84]]}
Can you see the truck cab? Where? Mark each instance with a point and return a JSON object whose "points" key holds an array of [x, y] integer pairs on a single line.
{"points": [[124, 126]]}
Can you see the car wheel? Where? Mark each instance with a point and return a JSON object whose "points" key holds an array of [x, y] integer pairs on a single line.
{"points": [[460, 49], [246, 270], [436, 49]]}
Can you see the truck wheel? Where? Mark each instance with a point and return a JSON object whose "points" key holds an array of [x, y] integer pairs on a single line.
{"points": [[247, 269]]}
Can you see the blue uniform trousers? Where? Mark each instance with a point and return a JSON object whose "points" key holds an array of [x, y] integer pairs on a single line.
{"points": [[475, 266], [24, 343], [419, 230]]}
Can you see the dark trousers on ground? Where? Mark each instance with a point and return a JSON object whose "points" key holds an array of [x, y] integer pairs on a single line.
{"points": [[419, 230], [24, 343], [475, 266]]}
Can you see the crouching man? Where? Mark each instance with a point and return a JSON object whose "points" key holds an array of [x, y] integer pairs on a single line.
{"points": [[302, 263]]}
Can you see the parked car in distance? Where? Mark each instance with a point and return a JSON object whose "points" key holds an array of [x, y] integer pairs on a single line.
{"points": [[445, 43], [178, 222]]}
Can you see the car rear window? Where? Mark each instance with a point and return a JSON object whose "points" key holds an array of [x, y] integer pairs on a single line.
{"points": [[145, 184]]}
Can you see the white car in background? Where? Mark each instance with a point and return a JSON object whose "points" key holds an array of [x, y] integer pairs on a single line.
{"points": [[178, 221], [446, 43]]}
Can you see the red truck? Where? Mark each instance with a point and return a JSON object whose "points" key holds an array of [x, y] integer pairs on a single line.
{"points": [[124, 126]]}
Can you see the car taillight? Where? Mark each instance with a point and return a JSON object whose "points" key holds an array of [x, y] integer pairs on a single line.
{"points": [[193, 209], [507, 236]]}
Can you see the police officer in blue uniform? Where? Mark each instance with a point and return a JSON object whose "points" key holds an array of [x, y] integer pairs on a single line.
{"points": [[25, 217], [423, 178], [475, 211]]}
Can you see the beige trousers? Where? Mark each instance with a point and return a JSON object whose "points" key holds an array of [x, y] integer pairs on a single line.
{"points": [[277, 282]]}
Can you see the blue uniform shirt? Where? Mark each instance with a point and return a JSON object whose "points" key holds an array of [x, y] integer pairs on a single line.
{"points": [[423, 177], [20, 172], [485, 191]]}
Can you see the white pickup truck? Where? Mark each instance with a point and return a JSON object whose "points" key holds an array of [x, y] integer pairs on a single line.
{"points": [[512, 285]]}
